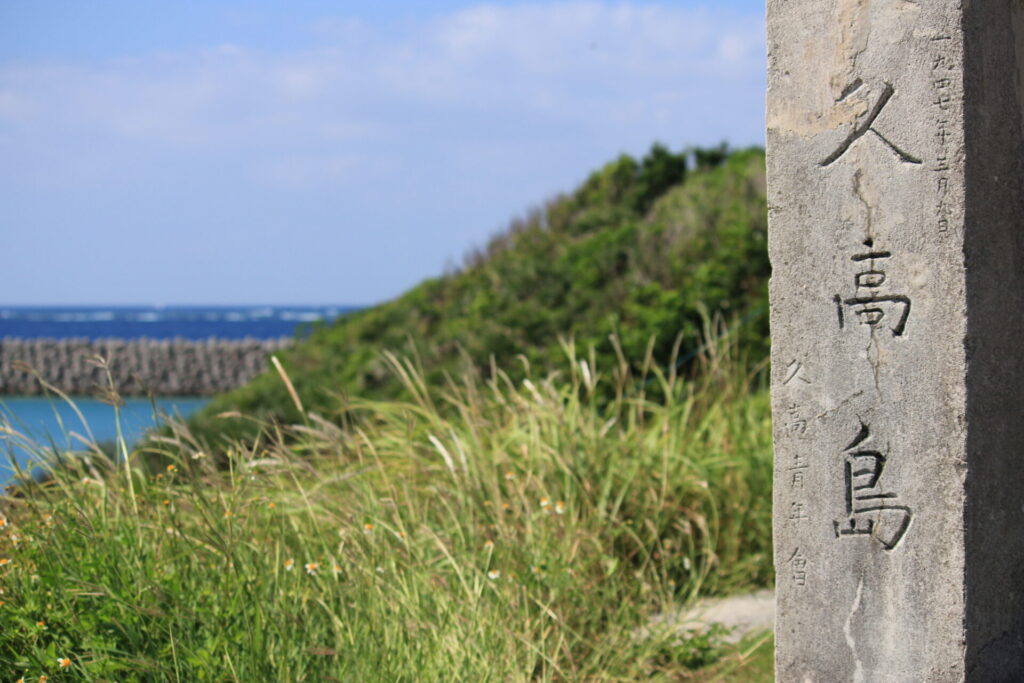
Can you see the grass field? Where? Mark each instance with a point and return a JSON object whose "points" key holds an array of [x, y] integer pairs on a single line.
{"points": [[479, 531]]}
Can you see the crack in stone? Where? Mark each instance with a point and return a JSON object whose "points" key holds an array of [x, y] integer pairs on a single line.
{"points": [[858, 667]]}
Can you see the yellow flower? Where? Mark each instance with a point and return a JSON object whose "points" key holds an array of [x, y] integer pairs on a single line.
{"points": [[545, 503], [510, 475], [367, 528], [64, 662], [288, 564], [559, 507], [4, 561], [271, 505], [41, 624], [494, 575], [506, 506], [43, 678], [311, 568], [166, 501], [3, 522], [171, 468]]}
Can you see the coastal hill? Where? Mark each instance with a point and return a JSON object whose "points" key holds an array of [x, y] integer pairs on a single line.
{"points": [[643, 252]]}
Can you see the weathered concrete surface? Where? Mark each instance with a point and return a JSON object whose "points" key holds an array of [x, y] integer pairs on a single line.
{"points": [[895, 151], [140, 367]]}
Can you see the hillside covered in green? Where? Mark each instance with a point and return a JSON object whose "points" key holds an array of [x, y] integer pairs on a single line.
{"points": [[524, 470], [643, 252]]}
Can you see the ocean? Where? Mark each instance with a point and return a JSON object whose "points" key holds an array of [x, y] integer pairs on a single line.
{"points": [[49, 421], [163, 322]]}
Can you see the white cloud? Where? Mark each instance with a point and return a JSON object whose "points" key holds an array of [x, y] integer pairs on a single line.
{"points": [[589, 64]]}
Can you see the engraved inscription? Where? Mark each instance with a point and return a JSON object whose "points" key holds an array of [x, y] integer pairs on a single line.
{"points": [[868, 126], [943, 89], [870, 305], [797, 563], [869, 510], [796, 424], [798, 512], [796, 471], [794, 372]]}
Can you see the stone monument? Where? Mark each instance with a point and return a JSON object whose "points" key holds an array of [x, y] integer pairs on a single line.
{"points": [[895, 167]]}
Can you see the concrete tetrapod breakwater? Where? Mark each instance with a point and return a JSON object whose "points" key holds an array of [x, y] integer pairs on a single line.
{"points": [[140, 367]]}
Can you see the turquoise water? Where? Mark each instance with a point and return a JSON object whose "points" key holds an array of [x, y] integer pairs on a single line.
{"points": [[53, 421]]}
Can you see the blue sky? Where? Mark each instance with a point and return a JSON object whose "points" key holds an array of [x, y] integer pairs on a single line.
{"points": [[228, 152]]}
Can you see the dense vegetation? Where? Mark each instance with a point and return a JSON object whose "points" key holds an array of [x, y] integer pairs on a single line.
{"points": [[524, 531], [642, 252], [507, 473]]}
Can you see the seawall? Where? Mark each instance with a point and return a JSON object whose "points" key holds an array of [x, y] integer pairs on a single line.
{"points": [[140, 367]]}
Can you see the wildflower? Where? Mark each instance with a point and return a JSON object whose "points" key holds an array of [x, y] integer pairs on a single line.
{"points": [[367, 528], [380, 570], [311, 568], [166, 501], [288, 564], [228, 513], [336, 569], [64, 662], [41, 624], [506, 506], [488, 545], [3, 522], [559, 507], [171, 469], [4, 561], [494, 575], [510, 475], [198, 455], [545, 503], [271, 505], [43, 678]]}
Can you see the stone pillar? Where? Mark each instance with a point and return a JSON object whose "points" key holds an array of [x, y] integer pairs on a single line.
{"points": [[895, 153]]}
